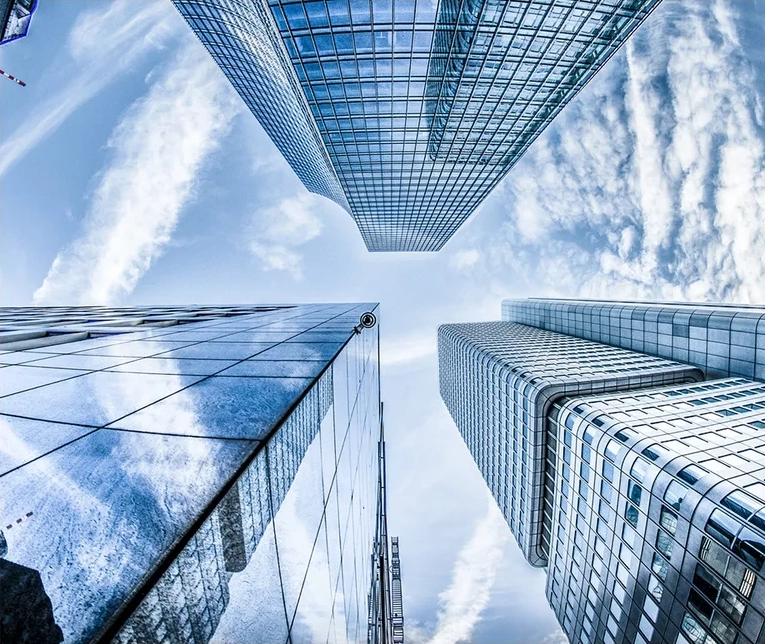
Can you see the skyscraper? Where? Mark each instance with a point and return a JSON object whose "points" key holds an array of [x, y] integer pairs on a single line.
{"points": [[636, 483], [386, 613], [407, 113], [15, 16], [188, 474]]}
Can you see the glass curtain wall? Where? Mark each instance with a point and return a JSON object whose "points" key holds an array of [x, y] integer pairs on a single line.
{"points": [[213, 481]]}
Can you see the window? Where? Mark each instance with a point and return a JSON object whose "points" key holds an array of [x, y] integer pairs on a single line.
{"points": [[660, 567], [692, 473], [631, 514], [694, 630], [605, 490], [635, 493], [751, 548], [719, 594], [668, 520], [664, 544], [675, 494], [655, 588], [639, 470], [612, 450], [741, 504], [654, 451], [722, 527], [731, 569]]}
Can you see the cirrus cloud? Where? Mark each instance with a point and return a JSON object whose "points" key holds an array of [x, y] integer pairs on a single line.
{"points": [[158, 149], [651, 184]]}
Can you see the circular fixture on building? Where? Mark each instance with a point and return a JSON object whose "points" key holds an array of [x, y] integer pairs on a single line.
{"points": [[368, 320]]}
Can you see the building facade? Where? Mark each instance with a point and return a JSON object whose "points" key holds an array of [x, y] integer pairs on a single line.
{"points": [[407, 113], [188, 474], [15, 16], [651, 495], [720, 339]]}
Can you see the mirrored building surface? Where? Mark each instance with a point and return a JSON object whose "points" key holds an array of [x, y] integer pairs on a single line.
{"points": [[651, 496], [188, 474], [15, 16], [407, 113]]}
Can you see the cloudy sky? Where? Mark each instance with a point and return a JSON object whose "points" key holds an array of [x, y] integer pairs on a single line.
{"points": [[131, 174]]}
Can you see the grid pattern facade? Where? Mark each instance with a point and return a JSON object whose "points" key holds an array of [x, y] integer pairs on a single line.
{"points": [[722, 340], [421, 106], [161, 475], [498, 381], [15, 16], [658, 515], [243, 41]]}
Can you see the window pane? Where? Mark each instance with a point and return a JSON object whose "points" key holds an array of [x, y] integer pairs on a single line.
{"points": [[668, 521], [675, 494], [741, 504], [722, 527]]}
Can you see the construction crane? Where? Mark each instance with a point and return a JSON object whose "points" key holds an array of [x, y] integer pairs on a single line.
{"points": [[13, 78]]}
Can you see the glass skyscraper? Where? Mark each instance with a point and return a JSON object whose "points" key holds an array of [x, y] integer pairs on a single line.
{"points": [[636, 482], [15, 16], [407, 113], [188, 474]]}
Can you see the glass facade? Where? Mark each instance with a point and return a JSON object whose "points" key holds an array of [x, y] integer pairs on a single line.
{"points": [[498, 381], [722, 340], [651, 496], [420, 106], [187, 474], [15, 16]]}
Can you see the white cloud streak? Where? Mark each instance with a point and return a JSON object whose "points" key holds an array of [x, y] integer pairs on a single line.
{"points": [[409, 349], [277, 233], [461, 604], [652, 183], [158, 148], [465, 259], [103, 44]]}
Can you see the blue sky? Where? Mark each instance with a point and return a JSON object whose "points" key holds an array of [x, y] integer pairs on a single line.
{"points": [[133, 174]]}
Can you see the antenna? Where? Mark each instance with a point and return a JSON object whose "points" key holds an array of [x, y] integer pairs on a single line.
{"points": [[13, 78]]}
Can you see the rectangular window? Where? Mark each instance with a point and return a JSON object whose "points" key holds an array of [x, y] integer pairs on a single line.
{"points": [[656, 588], [664, 544], [675, 494], [668, 520], [741, 504], [631, 514], [635, 492], [639, 470], [722, 527], [660, 567]]}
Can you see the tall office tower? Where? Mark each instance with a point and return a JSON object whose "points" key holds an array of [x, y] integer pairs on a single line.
{"points": [[651, 494], [658, 517], [386, 616], [407, 113], [396, 594], [720, 339], [15, 16], [498, 381], [187, 474]]}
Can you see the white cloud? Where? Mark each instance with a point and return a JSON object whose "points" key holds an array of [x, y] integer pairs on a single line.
{"points": [[652, 183], [461, 604], [465, 258], [103, 44], [158, 148], [277, 233], [407, 350]]}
